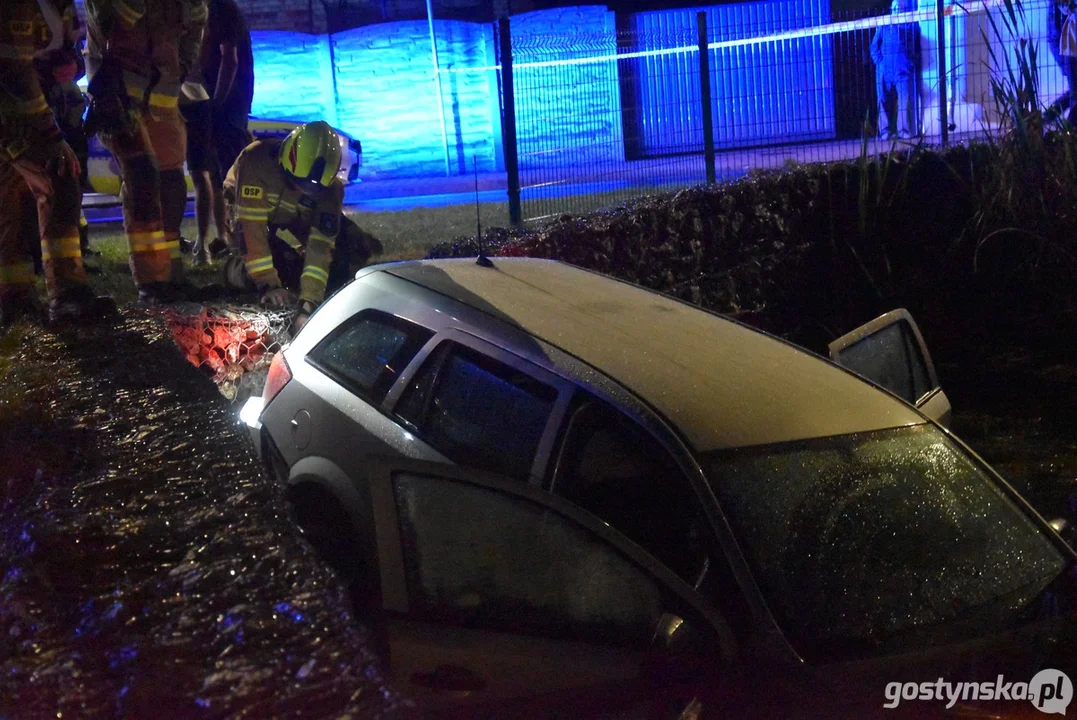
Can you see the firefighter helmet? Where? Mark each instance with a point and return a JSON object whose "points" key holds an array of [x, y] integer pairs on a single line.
{"points": [[311, 154]]}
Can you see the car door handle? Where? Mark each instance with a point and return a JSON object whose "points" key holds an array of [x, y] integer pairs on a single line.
{"points": [[449, 678]]}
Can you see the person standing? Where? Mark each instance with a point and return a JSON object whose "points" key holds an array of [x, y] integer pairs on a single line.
{"points": [[895, 49], [34, 154], [137, 55], [228, 69], [59, 66], [202, 162]]}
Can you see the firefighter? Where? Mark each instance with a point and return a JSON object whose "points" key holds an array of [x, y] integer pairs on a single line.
{"points": [[59, 67], [34, 154], [137, 55], [287, 204]]}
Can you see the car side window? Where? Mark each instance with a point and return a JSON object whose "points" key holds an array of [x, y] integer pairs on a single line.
{"points": [[368, 351], [478, 411], [614, 469], [479, 558], [892, 358]]}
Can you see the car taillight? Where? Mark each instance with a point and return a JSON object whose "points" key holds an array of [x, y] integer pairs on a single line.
{"points": [[279, 375]]}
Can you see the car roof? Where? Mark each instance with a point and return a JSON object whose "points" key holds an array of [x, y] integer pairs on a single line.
{"points": [[722, 385]]}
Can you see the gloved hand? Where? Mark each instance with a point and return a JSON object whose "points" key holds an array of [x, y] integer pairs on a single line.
{"points": [[279, 297], [306, 309], [64, 161]]}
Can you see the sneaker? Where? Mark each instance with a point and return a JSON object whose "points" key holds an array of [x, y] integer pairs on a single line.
{"points": [[19, 306], [198, 252], [218, 249], [79, 304], [185, 245]]}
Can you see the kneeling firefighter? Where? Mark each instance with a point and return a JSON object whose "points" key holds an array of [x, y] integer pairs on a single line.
{"points": [[287, 207]]}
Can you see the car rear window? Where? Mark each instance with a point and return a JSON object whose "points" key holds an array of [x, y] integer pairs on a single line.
{"points": [[882, 541], [478, 411], [368, 351]]}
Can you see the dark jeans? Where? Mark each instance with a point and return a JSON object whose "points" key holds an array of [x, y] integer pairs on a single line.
{"points": [[231, 140], [903, 86]]}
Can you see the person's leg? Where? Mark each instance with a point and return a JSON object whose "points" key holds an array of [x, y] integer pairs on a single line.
{"points": [[203, 207], [168, 138], [219, 219], [903, 85], [881, 91], [151, 255]]}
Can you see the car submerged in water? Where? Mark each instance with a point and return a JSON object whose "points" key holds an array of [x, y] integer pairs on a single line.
{"points": [[555, 493], [103, 174]]}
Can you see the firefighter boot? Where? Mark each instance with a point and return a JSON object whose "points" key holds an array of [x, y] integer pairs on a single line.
{"points": [[79, 305]]}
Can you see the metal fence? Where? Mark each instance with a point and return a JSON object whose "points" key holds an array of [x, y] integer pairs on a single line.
{"points": [[597, 118]]}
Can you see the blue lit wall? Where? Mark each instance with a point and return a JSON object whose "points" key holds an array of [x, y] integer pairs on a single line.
{"points": [[567, 114], [760, 94], [293, 77], [387, 96]]}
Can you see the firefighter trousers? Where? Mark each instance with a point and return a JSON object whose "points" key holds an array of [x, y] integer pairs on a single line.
{"points": [[151, 154], [58, 201]]}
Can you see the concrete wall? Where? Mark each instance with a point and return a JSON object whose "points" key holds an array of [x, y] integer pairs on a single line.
{"points": [[293, 77], [388, 97], [566, 114]]}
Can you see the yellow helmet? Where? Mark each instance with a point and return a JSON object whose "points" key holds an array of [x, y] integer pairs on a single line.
{"points": [[311, 154]]}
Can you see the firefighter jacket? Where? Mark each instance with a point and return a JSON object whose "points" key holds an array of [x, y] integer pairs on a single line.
{"points": [[153, 43], [264, 198], [25, 116]]}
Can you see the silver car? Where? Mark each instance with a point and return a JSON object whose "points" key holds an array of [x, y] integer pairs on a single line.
{"points": [[550, 487]]}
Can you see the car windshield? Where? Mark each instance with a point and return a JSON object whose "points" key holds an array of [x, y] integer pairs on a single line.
{"points": [[884, 541]]}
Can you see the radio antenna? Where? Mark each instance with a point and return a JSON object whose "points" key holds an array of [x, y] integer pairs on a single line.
{"points": [[482, 260]]}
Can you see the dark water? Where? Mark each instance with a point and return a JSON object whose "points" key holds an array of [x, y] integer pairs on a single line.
{"points": [[147, 565], [148, 568]]}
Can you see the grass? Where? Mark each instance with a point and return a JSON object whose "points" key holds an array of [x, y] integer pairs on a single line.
{"points": [[405, 234]]}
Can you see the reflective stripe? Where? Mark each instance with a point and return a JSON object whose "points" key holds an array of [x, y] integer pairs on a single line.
{"points": [[316, 235], [83, 222], [161, 100], [16, 52], [147, 241], [287, 205], [286, 235], [251, 214], [315, 273], [158, 100], [156, 247], [21, 274], [261, 265], [68, 247], [125, 11]]}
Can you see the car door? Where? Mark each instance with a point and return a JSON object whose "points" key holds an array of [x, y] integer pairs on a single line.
{"points": [[498, 595], [890, 351], [481, 406]]}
